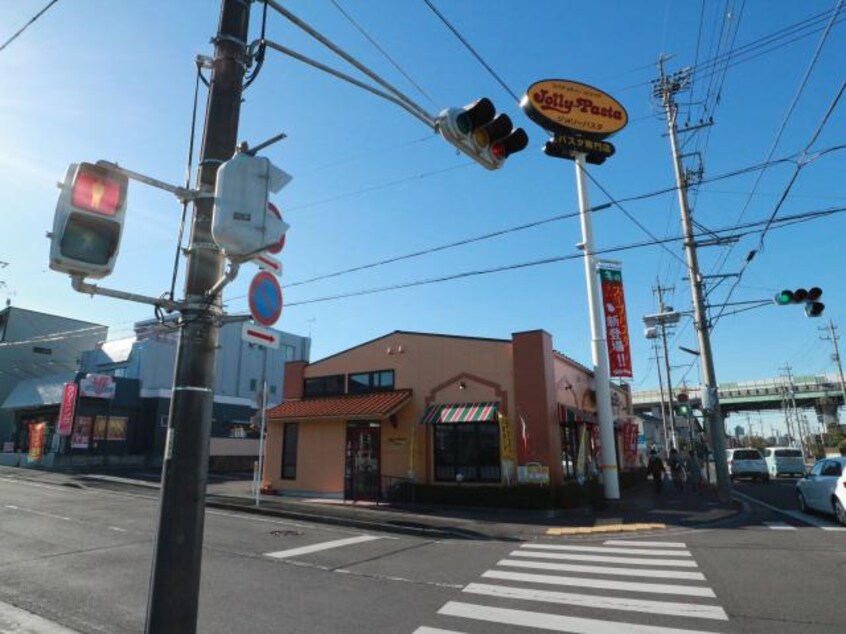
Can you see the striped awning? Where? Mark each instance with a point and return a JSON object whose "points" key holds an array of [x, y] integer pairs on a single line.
{"points": [[461, 413]]}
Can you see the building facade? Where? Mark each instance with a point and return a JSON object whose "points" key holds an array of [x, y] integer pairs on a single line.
{"points": [[438, 409]]}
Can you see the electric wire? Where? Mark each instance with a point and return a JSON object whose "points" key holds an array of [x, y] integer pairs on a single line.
{"points": [[472, 50], [262, 49], [20, 31], [384, 53]]}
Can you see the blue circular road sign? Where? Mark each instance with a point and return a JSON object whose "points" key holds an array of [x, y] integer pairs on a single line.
{"points": [[265, 299]]}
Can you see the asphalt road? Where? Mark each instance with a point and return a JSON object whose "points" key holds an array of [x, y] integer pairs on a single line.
{"points": [[80, 559]]}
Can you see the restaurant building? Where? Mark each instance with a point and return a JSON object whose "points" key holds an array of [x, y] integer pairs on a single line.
{"points": [[438, 409]]}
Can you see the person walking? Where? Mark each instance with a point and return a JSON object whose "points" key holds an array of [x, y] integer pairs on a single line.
{"points": [[676, 469], [693, 472], [656, 469]]}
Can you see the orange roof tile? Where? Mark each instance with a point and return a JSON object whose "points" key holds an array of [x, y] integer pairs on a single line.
{"points": [[376, 405]]}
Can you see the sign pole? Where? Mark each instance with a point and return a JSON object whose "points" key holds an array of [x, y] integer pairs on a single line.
{"points": [[602, 379], [260, 475]]}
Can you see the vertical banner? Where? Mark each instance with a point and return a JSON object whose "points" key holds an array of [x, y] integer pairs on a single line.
{"points": [[37, 431], [67, 409], [630, 439], [616, 326], [506, 449]]}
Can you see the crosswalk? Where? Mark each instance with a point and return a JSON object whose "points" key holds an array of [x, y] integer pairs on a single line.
{"points": [[785, 526], [620, 586]]}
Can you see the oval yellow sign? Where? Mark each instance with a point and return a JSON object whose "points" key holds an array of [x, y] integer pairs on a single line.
{"points": [[569, 106]]}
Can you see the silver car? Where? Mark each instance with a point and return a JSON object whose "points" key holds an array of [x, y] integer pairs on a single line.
{"points": [[747, 463], [784, 460], [824, 488]]}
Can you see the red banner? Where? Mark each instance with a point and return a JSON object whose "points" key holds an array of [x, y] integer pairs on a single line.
{"points": [[630, 433], [67, 409], [37, 431], [616, 326]]}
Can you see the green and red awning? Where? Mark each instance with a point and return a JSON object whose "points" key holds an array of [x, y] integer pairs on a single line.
{"points": [[461, 413]]}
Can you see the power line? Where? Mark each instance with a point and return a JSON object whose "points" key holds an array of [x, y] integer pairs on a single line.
{"points": [[472, 50], [382, 51], [751, 228], [28, 24]]}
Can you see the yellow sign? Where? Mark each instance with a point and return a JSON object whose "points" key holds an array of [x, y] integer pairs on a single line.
{"points": [[506, 447], [569, 106]]}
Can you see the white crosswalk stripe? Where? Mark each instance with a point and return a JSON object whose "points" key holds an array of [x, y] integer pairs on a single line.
{"points": [[623, 586]]}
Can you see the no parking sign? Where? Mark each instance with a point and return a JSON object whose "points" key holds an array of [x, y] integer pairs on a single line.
{"points": [[265, 298]]}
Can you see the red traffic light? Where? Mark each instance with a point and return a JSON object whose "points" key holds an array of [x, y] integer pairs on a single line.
{"points": [[98, 190], [514, 142]]}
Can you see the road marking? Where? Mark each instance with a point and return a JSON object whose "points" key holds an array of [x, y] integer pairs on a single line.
{"points": [[805, 519], [671, 608], [611, 551], [636, 542], [118, 529], [634, 561], [604, 570], [14, 619], [434, 630], [614, 528], [553, 622], [780, 526], [584, 582], [305, 550]]}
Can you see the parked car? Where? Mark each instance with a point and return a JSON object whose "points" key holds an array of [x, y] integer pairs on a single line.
{"points": [[784, 461], [747, 463], [824, 488]]}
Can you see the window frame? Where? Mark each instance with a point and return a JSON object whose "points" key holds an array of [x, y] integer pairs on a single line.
{"points": [[322, 381], [478, 466], [373, 377]]}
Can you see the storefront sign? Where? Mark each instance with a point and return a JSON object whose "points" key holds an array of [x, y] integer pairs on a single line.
{"points": [[533, 473], [97, 386], [37, 432], [67, 409], [81, 432], [630, 440], [506, 446], [567, 106], [616, 325]]}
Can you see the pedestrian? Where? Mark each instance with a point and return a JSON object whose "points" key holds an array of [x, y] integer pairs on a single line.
{"points": [[693, 471], [676, 469], [656, 469]]}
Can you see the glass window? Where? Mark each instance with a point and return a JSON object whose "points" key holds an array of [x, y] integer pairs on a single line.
{"points": [[787, 453], [253, 385], [468, 449], [832, 468], [324, 386], [817, 469], [289, 451], [371, 381]]}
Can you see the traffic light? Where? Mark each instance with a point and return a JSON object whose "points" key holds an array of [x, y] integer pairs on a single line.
{"points": [[481, 134], [241, 223], [88, 222], [809, 297]]}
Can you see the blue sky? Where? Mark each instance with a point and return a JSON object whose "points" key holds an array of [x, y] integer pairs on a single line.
{"points": [[98, 79]]}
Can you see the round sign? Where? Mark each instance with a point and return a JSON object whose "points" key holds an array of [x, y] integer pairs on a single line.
{"points": [[265, 298], [276, 248], [566, 106]]}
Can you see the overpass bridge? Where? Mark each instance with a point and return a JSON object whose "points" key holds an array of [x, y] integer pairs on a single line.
{"points": [[823, 392]]}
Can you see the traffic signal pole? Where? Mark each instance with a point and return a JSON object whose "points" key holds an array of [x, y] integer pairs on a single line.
{"points": [[175, 577], [710, 397]]}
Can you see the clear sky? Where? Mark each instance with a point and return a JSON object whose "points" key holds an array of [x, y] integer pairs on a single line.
{"points": [[99, 79]]}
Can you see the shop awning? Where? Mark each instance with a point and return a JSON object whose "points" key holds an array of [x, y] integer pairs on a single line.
{"points": [[376, 406], [461, 413], [38, 391]]}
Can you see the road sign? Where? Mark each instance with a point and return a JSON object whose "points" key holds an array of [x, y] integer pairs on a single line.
{"points": [[269, 263], [259, 336], [265, 298]]}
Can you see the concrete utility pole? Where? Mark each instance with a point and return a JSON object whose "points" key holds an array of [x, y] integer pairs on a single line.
{"points": [[663, 402], [175, 577], [833, 337], [665, 89], [659, 290]]}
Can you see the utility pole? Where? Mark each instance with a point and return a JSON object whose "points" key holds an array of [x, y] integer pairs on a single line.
{"points": [[659, 290], [663, 402], [175, 577], [665, 89], [833, 337]]}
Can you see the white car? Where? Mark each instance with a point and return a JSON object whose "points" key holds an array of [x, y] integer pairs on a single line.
{"points": [[747, 463], [824, 488], [784, 460]]}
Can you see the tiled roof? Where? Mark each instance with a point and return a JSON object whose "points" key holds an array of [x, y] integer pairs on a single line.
{"points": [[376, 405]]}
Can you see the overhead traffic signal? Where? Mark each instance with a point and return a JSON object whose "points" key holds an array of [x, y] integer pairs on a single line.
{"points": [[89, 219], [810, 298], [242, 225], [486, 137]]}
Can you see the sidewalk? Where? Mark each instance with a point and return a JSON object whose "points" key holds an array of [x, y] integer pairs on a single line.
{"points": [[638, 509]]}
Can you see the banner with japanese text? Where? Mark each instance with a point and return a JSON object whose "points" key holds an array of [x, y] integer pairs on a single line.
{"points": [[37, 432], [67, 409], [616, 325]]}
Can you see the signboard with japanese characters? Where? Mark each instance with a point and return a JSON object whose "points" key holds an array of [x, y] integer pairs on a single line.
{"points": [[97, 386], [67, 409], [571, 107], [616, 325]]}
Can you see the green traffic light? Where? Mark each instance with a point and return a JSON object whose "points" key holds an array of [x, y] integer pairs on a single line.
{"points": [[784, 298]]}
